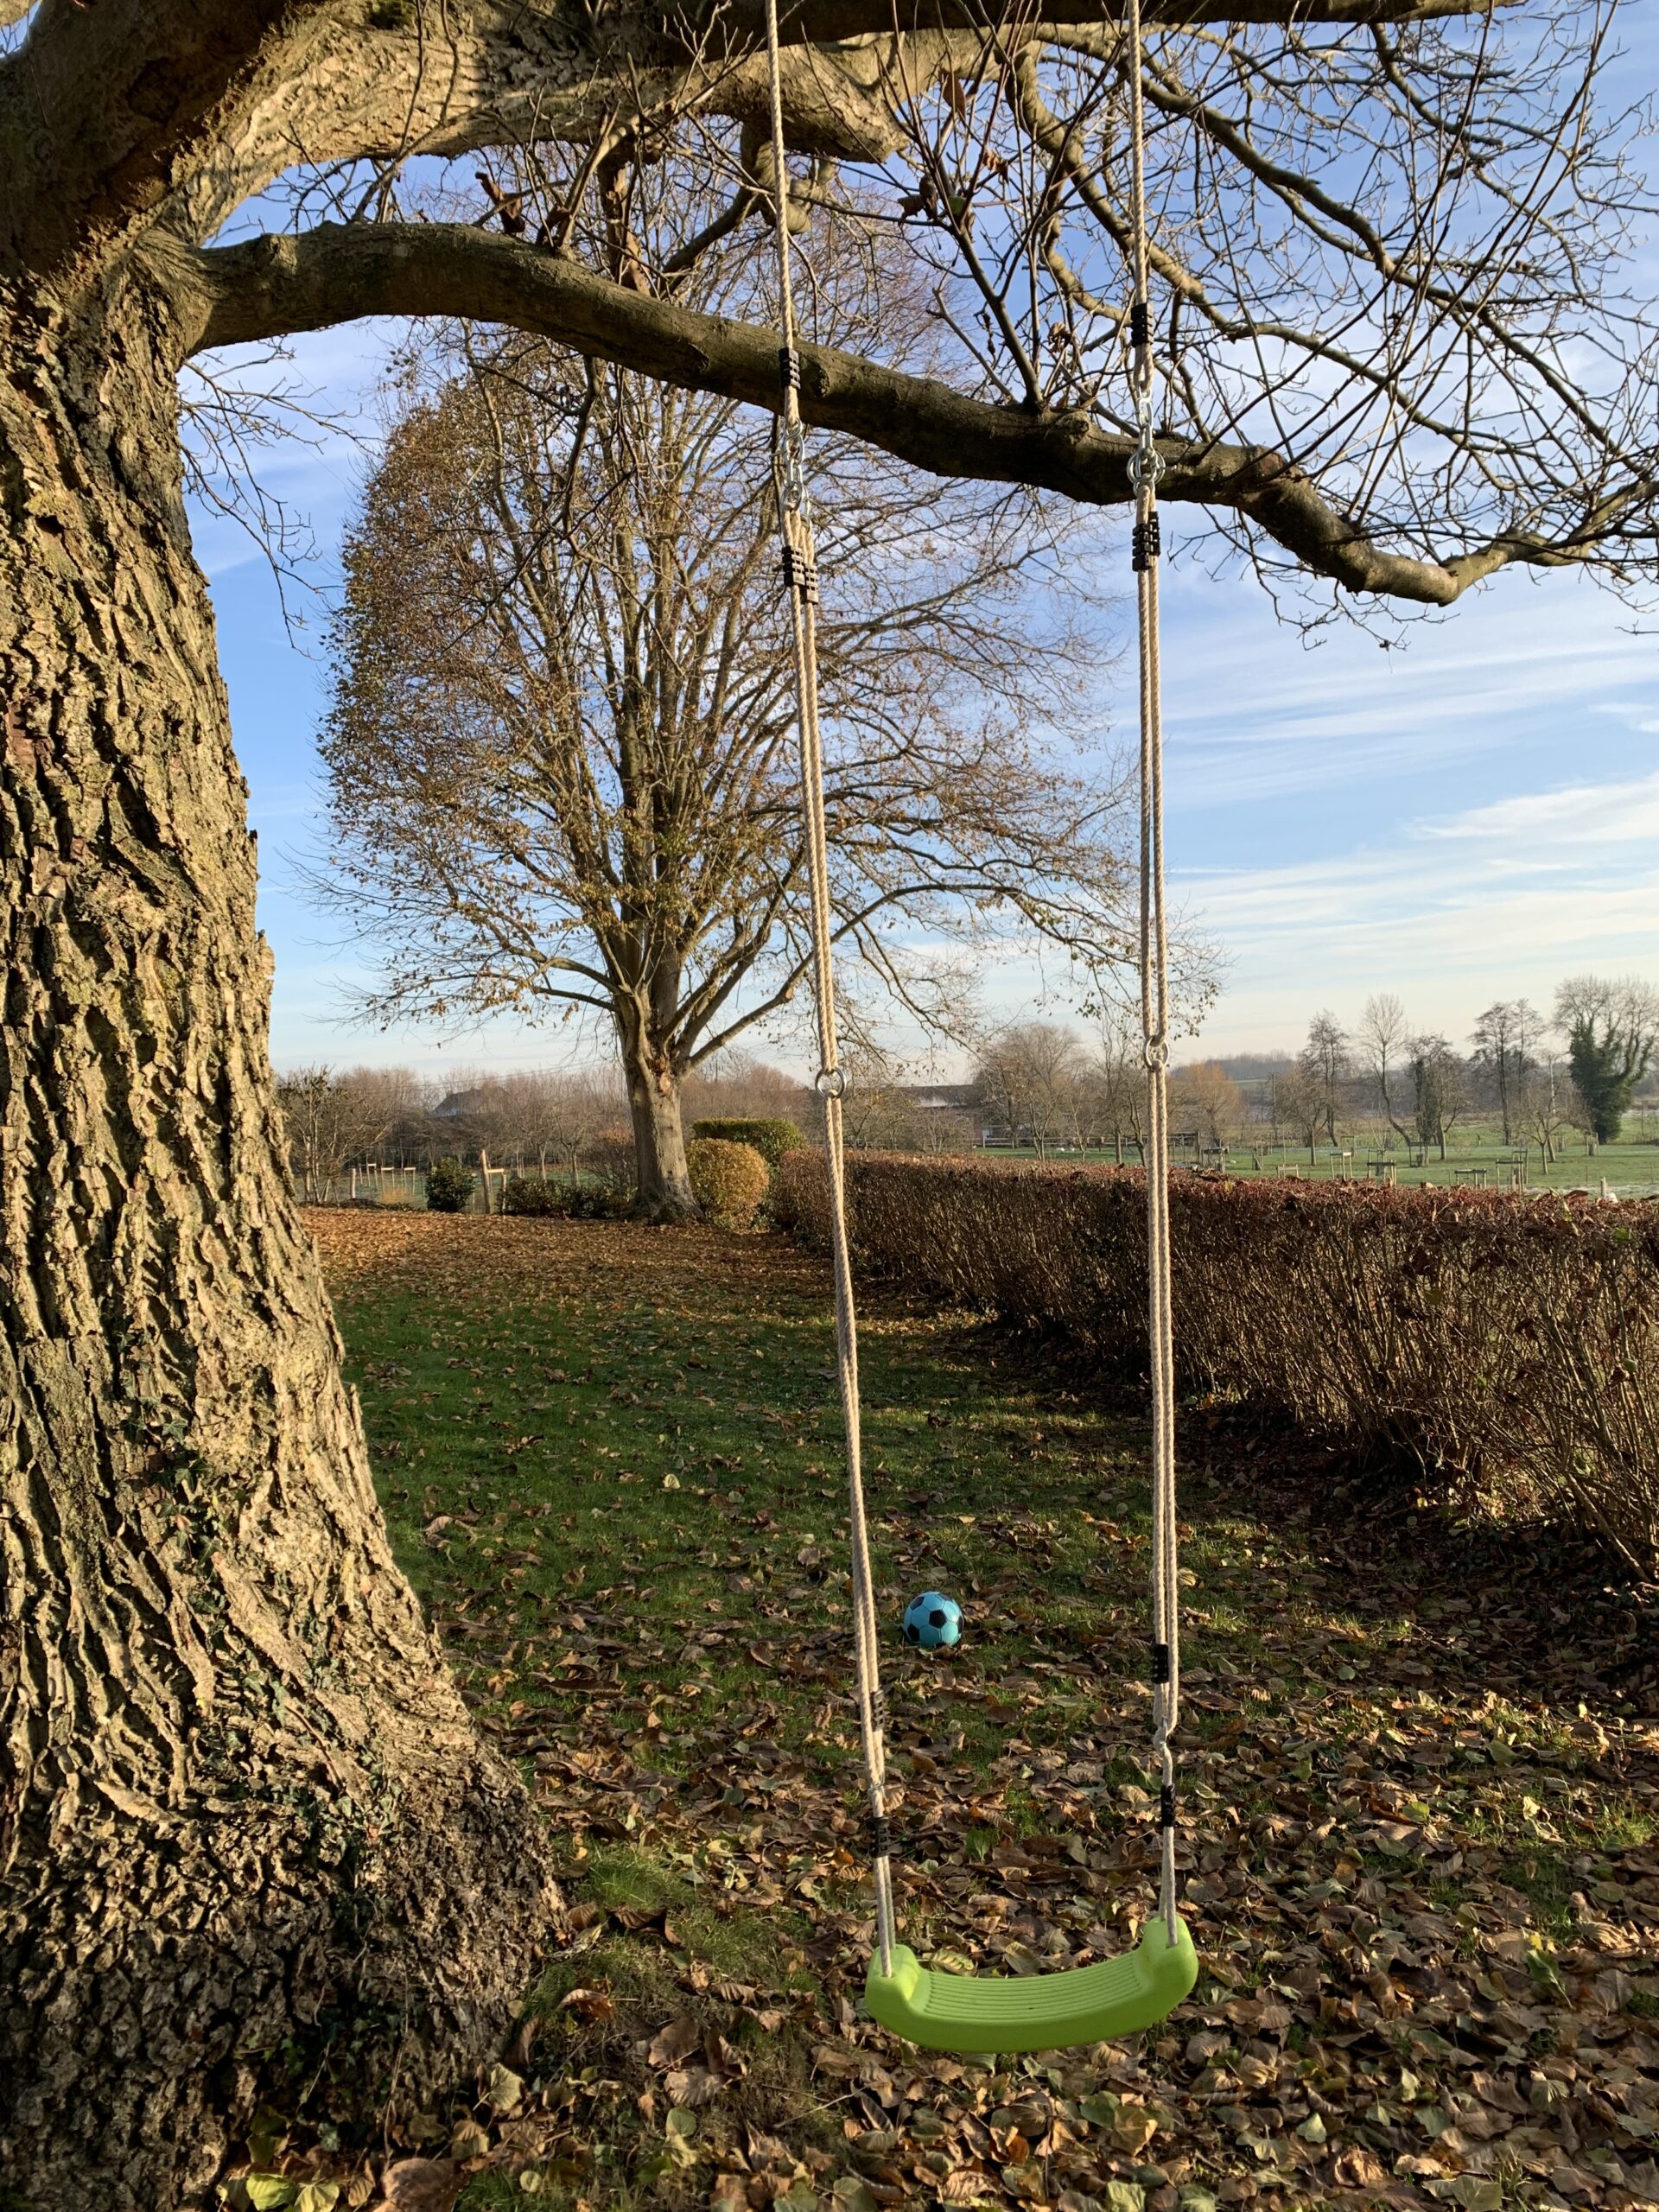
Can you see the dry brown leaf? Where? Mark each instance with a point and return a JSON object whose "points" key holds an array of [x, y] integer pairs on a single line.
{"points": [[589, 2003], [967, 2186], [671, 2043], [422, 2184], [692, 2087]]}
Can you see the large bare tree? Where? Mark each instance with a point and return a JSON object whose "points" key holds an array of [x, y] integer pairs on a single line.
{"points": [[561, 770], [242, 1808]]}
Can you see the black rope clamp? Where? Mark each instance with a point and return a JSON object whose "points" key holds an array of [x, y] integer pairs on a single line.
{"points": [[801, 574], [1146, 544], [1140, 322], [1166, 1805], [789, 368], [1160, 1663], [881, 1837]]}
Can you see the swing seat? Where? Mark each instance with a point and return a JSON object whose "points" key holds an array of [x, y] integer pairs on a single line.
{"points": [[1042, 2012]]}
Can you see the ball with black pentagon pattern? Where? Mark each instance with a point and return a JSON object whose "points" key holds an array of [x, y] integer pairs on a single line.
{"points": [[932, 1622]]}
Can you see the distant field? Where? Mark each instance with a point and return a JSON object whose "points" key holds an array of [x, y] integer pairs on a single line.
{"points": [[1628, 1169]]}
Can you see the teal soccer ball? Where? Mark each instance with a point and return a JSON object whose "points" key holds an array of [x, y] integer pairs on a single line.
{"points": [[932, 1621]]}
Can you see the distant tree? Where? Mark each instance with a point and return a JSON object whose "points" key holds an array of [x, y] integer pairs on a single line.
{"points": [[1301, 1103], [1029, 1072], [392, 1104], [881, 1112], [1611, 1029], [1505, 1038], [1383, 1037], [1113, 1086], [1326, 1060], [1205, 1097], [571, 1113], [565, 677], [1546, 1101], [1440, 1088], [734, 1085], [329, 1120]]}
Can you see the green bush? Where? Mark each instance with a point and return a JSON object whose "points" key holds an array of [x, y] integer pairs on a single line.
{"points": [[771, 1139], [1503, 1346], [728, 1180], [449, 1187], [528, 1195]]}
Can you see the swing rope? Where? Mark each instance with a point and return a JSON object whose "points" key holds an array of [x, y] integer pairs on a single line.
{"points": [[801, 580], [1117, 1996], [1145, 468]]}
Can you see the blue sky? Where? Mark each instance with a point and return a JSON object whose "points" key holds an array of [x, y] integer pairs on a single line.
{"points": [[1470, 815]]}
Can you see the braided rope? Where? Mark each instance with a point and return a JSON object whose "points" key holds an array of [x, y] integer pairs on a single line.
{"points": [[800, 569], [800, 574], [1146, 467]]}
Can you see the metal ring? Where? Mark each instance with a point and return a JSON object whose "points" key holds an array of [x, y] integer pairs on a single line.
{"points": [[1147, 466], [1156, 1051], [830, 1082]]}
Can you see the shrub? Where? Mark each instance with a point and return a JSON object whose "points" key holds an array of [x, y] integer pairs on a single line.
{"points": [[449, 1187], [611, 1160], [525, 1194], [728, 1180], [1503, 1344], [528, 1195], [771, 1139]]}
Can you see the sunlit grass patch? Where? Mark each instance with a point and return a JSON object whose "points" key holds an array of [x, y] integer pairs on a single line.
{"points": [[630, 1532]]}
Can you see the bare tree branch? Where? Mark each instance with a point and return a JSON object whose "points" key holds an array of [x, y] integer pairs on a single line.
{"points": [[273, 286]]}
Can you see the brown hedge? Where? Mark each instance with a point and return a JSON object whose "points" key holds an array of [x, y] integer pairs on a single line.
{"points": [[1506, 1345]]}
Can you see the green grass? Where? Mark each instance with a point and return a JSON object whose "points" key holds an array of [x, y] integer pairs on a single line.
{"points": [[611, 1460]]}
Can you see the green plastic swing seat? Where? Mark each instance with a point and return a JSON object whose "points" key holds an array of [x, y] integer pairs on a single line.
{"points": [[1041, 2011]]}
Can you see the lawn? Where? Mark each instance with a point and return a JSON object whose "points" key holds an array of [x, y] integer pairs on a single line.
{"points": [[1420, 1793]]}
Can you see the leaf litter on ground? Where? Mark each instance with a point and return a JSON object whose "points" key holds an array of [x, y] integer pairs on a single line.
{"points": [[1419, 1821]]}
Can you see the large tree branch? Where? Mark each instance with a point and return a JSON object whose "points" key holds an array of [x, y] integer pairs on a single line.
{"points": [[277, 285], [105, 107], [114, 112]]}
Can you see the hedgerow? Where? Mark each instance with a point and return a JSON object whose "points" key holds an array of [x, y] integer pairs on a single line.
{"points": [[1505, 1346]]}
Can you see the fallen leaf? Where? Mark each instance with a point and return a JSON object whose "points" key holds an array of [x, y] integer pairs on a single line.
{"points": [[853, 2195], [671, 2043], [422, 2184], [505, 2090], [693, 2086], [589, 2003]]}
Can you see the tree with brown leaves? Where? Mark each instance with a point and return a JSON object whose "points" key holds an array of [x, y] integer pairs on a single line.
{"points": [[561, 754]]}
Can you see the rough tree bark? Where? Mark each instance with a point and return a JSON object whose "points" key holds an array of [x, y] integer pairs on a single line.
{"points": [[654, 1083], [665, 1179], [242, 1805]]}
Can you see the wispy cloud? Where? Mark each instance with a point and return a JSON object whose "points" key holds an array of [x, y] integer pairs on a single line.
{"points": [[1500, 900], [1563, 820]]}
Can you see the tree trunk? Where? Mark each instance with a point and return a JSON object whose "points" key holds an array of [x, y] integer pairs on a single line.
{"points": [[250, 1842], [664, 1178]]}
